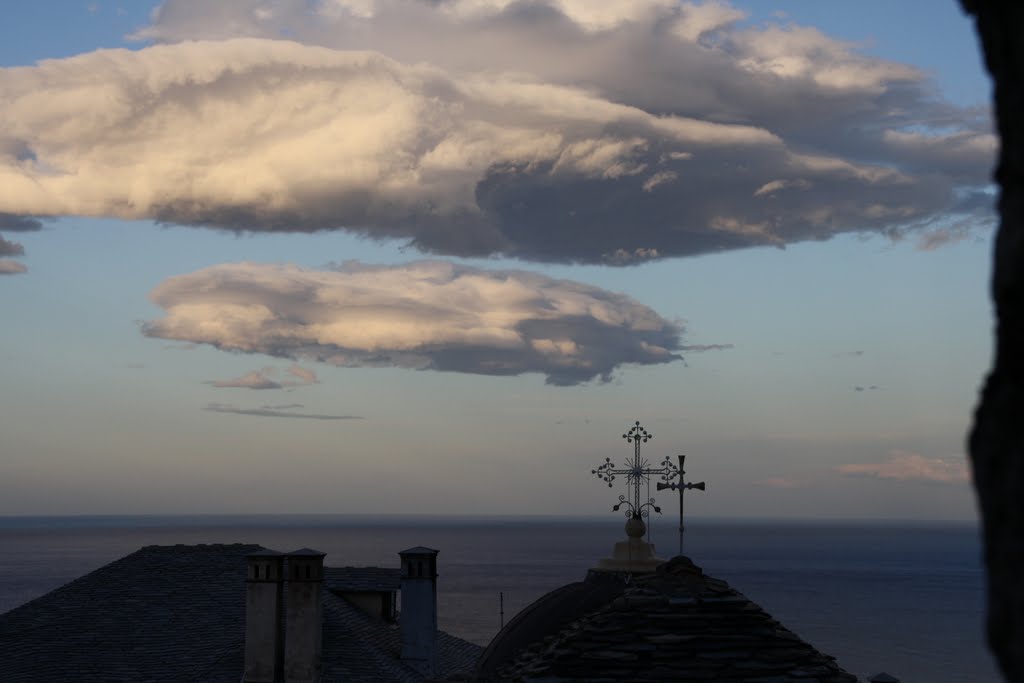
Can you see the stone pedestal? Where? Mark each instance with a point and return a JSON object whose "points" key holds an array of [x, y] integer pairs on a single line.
{"points": [[633, 555]]}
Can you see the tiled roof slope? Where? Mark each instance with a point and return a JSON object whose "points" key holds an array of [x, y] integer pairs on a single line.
{"points": [[360, 649], [170, 613], [177, 614], [674, 625]]}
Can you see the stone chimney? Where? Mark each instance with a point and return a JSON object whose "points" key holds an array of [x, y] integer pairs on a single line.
{"points": [[419, 609], [303, 617], [263, 599]]}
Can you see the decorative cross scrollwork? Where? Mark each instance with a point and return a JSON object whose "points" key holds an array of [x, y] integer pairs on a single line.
{"points": [[638, 472]]}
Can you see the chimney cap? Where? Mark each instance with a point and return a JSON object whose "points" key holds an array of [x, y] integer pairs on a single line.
{"points": [[419, 550], [264, 552], [306, 552]]}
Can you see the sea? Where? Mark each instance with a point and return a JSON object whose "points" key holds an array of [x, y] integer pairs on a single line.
{"points": [[906, 598]]}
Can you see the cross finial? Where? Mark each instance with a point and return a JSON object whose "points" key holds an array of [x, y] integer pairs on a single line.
{"points": [[638, 472]]}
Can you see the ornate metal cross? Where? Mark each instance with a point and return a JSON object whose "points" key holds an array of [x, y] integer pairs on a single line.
{"points": [[638, 472], [681, 486]]}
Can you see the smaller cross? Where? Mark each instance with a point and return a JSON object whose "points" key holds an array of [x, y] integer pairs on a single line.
{"points": [[681, 486]]}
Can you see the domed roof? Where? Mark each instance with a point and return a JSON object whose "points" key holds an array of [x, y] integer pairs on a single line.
{"points": [[674, 624]]}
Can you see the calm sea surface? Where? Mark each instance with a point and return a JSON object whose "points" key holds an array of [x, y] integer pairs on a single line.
{"points": [[902, 598]]}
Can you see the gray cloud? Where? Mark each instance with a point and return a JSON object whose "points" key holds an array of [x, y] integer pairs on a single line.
{"points": [[706, 347], [272, 411], [8, 267], [424, 315], [8, 248], [610, 133], [14, 223]]}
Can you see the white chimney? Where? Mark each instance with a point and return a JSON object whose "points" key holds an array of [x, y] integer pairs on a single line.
{"points": [[303, 617], [263, 599], [419, 609]]}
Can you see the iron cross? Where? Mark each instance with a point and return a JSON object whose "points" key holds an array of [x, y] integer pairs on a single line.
{"points": [[637, 473], [681, 486]]}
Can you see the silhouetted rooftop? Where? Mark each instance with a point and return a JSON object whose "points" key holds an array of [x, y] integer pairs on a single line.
{"points": [[177, 613], [675, 624]]}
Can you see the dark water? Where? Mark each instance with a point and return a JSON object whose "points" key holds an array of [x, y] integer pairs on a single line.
{"points": [[906, 599]]}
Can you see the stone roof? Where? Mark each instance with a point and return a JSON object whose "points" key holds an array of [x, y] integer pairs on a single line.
{"points": [[177, 613], [357, 647], [675, 624], [545, 617]]}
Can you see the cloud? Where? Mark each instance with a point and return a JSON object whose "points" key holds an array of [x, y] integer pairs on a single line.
{"points": [[257, 379], [261, 379], [272, 411], [424, 315], [960, 149], [14, 223], [545, 130], [305, 375], [706, 347], [8, 267], [941, 237], [905, 466], [8, 248]]}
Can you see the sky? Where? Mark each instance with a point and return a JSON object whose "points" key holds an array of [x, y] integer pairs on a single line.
{"points": [[398, 256]]}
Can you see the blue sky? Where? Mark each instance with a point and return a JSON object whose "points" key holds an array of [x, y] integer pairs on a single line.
{"points": [[845, 354]]}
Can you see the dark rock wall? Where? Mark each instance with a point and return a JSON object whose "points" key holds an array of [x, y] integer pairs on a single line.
{"points": [[997, 439]]}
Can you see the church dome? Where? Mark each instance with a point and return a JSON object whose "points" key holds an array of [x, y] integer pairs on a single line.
{"points": [[674, 624]]}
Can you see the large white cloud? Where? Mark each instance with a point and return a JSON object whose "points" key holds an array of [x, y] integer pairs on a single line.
{"points": [[424, 315], [553, 131]]}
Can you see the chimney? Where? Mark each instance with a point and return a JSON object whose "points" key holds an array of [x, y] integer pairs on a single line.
{"points": [[263, 598], [419, 609], [303, 613]]}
